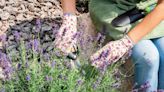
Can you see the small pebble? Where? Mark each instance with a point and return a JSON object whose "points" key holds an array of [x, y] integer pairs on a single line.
{"points": [[5, 15]]}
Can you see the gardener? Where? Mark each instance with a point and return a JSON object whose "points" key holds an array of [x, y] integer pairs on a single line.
{"points": [[145, 38]]}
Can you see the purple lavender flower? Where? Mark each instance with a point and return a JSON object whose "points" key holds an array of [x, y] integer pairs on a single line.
{"points": [[95, 85], [4, 61], [5, 64], [35, 44], [117, 74], [53, 64], [38, 25], [79, 82], [27, 64], [55, 28], [19, 66], [38, 21], [1, 56], [28, 77], [17, 35], [28, 45], [47, 56], [3, 38], [8, 71], [103, 67], [46, 78]]}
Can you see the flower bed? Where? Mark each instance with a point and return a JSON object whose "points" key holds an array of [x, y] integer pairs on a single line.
{"points": [[29, 61]]}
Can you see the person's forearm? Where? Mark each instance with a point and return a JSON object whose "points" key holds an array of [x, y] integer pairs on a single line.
{"points": [[147, 24], [68, 6]]}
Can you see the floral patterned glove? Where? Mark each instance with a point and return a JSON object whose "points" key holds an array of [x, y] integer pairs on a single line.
{"points": [[65, 37], [111, 52]]}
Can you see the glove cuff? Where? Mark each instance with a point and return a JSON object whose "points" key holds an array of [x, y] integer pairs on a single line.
{"points": [[127, 41], [69, 17]]}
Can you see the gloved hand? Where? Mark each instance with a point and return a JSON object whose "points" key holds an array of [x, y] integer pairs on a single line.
{"points": [[111, 52], [65, 37]]}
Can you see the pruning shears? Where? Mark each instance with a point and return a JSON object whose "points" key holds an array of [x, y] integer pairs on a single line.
{"points": [[73, 56]]}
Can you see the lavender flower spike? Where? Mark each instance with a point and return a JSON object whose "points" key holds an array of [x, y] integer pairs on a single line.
{"points": [[38, 25], [28, 77], [35, 43], [53, 64], [17, 35], [3, 38]]}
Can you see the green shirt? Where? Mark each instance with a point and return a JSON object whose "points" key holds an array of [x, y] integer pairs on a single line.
{"points": [[103, 12]]}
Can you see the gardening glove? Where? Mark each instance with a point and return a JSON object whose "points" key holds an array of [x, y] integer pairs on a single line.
{"points": [[111, 52], [66, 36]]}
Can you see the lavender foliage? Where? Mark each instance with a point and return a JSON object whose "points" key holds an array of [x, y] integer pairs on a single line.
{"points": [[39, 66]]}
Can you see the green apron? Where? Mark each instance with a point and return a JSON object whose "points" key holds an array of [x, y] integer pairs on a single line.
{"points": [[103, 12]]}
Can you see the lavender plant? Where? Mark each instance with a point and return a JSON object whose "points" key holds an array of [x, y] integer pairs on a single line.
{"points": [[32, 64]]}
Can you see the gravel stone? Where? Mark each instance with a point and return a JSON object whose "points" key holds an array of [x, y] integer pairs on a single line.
{"points": [[5, 15]]}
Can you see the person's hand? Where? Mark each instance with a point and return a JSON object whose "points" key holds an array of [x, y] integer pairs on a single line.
{"points": [[111, 52], [65, 37]]}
